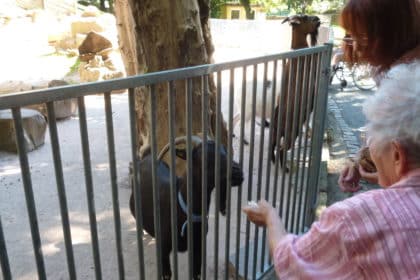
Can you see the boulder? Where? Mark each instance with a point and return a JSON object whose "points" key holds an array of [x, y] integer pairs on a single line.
{"points": [[63, 108], [14, 86], [86, 25], [34, 128], [98, 70], [91, 11], [94, 44]]}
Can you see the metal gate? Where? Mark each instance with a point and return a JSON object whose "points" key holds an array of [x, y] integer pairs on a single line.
{"points": [[69, 223]]}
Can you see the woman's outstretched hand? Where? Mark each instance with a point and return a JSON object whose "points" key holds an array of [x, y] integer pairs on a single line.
{"points": [[259, 213], [371, 177], [349, 179], [263, 214]]}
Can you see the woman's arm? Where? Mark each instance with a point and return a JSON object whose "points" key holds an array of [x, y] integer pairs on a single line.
{"points": [[320, 253], [264, 214]]}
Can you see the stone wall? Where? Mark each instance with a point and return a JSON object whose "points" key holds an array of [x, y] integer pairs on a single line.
{"points": [[254, 37]]}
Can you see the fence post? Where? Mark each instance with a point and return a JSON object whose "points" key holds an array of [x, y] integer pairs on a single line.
{"points": [[320, 113]]}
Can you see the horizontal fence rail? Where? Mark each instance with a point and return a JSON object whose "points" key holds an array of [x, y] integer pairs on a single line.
{"points": [[185, 196], [73, 91]]}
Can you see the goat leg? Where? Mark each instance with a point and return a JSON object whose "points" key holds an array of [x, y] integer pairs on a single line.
{"points": [[166, 265], [197, 252]]}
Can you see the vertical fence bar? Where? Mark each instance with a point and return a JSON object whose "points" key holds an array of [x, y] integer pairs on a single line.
{"points": [[293, 133], [279, 117], [174, 203], [260, 170], [291, 76], [309, 109], [302, 110], [4, 259], [241, 164], [89, 186], [229, 170], [309, 179], [114, 185], [29, 195], [188, 106], [204, 120], [251, 165], [58, 168], [136, 181], [268, 163], [319, 121], [156, 190], [217, 172]]}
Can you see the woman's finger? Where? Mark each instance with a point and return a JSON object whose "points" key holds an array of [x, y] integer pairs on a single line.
{"points": [[371, 177]]}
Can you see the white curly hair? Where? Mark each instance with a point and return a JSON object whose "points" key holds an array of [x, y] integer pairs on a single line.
{"points": [[393, 113]]}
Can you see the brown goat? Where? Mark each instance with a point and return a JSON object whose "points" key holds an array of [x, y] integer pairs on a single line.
{"points": [[302, 25]]}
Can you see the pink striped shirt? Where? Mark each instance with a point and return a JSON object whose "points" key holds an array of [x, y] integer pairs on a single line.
{"points": [[373, 235]]}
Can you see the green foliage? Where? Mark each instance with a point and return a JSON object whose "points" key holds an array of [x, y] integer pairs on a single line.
{"points": [[103, 5], [75, 67], [305, 6], [283, 7], [216, 8], [300, 6]]}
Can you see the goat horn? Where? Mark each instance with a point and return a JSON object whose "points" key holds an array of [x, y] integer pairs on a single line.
{"points": [[181, 139]]}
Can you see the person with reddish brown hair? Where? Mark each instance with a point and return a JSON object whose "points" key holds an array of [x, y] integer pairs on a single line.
{"points": [[384, 33]]}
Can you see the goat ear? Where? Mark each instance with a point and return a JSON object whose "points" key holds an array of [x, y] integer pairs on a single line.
{"points": [[182, 153], [285, 20]]}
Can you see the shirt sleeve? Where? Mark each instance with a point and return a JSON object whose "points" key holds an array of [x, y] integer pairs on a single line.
{"points": [[321, 253]]}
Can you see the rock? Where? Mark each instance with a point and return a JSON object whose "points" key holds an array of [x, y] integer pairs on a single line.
{"points": [[14, 86], [63, 108], [92, 71], [91, 11], [98, 70], [65, 43], [86, 25], [41, 84], [94, 44], [34, 128], [113, 75]]}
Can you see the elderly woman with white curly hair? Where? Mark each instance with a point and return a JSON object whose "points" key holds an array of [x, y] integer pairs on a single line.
{"points": [[375, 234]]}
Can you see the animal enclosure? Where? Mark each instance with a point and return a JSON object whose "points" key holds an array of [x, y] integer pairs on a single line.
{"points": [[87, 231]]}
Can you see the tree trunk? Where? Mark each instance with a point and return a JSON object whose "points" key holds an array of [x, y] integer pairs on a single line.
{"points": [[159, 35], [247, 7]]}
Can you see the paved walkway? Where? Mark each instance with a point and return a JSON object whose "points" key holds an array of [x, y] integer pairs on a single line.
{"points": [[344, 120]]}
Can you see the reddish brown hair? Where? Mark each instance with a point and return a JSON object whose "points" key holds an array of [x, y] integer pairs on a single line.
{"points": [[389, 28]]}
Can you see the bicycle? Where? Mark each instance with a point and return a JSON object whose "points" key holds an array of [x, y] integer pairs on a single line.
{"points": [[361, 74]]}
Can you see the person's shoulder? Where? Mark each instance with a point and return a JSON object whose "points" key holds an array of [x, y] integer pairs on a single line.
{"points": [[399, 70]]}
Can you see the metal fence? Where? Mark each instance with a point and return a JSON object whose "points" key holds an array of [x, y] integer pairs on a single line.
{"points": [[231, 247]]}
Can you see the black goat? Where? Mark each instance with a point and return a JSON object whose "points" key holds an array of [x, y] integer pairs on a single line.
{"points": [[163, 182]]}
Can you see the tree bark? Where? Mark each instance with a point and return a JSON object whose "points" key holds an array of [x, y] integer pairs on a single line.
{"points": [[159, 35], [247, 7]]}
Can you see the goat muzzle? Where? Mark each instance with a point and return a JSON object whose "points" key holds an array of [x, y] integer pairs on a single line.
{"points": [[237, 174]]}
